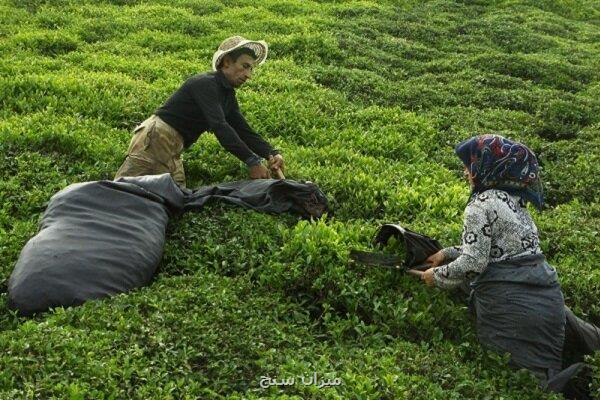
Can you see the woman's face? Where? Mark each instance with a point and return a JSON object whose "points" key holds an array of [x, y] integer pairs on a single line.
{"points": [[468, 176]]}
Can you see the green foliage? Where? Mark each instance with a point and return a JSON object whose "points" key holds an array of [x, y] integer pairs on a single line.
{"points": [[183, 338], [48, 43], [596, 377], [365, 98]]}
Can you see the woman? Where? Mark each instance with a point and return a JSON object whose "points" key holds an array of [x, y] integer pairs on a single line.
{"points": [[515, 294]]}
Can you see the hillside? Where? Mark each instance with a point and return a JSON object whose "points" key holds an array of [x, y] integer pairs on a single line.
{"points": [[364, 98]]}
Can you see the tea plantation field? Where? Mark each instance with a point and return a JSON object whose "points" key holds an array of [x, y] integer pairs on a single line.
{"points": [[365, 98]]}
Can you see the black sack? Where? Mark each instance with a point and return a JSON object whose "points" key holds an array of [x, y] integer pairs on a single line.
{"points": [[418, 247], [95, 239], [266, 195]]}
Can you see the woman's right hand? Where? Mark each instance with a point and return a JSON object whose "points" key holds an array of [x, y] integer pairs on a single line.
{"points": [[435, 259]]}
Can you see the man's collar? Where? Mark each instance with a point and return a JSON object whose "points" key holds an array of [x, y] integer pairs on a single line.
{"points": [[222, 80]]}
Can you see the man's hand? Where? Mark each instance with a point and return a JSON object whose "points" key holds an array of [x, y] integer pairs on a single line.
{"points": [[259, 171], [276, 162]]}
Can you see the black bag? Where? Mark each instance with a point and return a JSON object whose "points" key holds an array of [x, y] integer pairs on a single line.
{"points": [[418, 247], [265, 195], [96, 239]]}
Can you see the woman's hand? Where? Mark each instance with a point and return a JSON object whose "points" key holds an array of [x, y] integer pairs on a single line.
{"points": [[425, 276], [436, 259]]}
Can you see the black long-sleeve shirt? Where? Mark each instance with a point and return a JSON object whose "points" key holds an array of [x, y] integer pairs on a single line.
{"points": [[207, 102]]}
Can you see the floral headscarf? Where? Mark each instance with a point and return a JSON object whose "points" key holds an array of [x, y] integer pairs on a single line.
{"points": [[499, 163]]}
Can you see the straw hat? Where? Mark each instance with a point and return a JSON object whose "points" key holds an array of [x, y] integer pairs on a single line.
{"points": [[228, 45]]}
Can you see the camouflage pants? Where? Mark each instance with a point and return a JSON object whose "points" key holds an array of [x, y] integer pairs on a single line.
{"points": [[154, 149]]}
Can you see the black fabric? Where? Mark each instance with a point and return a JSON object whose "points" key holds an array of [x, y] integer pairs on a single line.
{"points": [[266, 195], [418, 247], [573, 382], [520, 310], [376, 259], [207, 102], [581, 338], [95, 239]]}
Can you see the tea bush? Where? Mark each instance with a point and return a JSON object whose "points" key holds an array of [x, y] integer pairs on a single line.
{"points": [[365, 98]]}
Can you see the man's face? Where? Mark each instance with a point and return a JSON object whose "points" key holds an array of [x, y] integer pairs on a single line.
{"points": [[239, 71]]}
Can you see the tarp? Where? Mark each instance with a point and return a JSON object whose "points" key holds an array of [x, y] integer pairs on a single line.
{"points": [[266, 195], [97, 239]]}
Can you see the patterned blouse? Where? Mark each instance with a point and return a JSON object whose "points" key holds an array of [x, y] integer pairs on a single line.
{"points": [[497, 227]]}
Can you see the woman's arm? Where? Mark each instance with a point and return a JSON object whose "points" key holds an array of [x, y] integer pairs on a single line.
{"points": [[452, 252], [476, 239]]}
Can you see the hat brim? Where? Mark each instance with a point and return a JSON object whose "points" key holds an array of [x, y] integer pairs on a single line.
{"points": [[260, 48]]}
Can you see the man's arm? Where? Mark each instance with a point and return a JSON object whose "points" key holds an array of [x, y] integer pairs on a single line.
{"points": [[252, 139], [205, 94]]}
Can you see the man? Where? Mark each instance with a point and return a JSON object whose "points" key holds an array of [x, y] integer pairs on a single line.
{"points": [[205, 102]]}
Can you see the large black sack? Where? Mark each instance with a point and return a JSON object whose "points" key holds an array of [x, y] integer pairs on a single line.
{"points": [[95, 239]]}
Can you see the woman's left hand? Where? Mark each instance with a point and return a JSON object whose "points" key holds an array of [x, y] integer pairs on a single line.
{"points": [[425, 276]]}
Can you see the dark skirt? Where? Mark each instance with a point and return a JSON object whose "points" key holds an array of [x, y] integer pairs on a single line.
{"points": [[520, 310]]}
